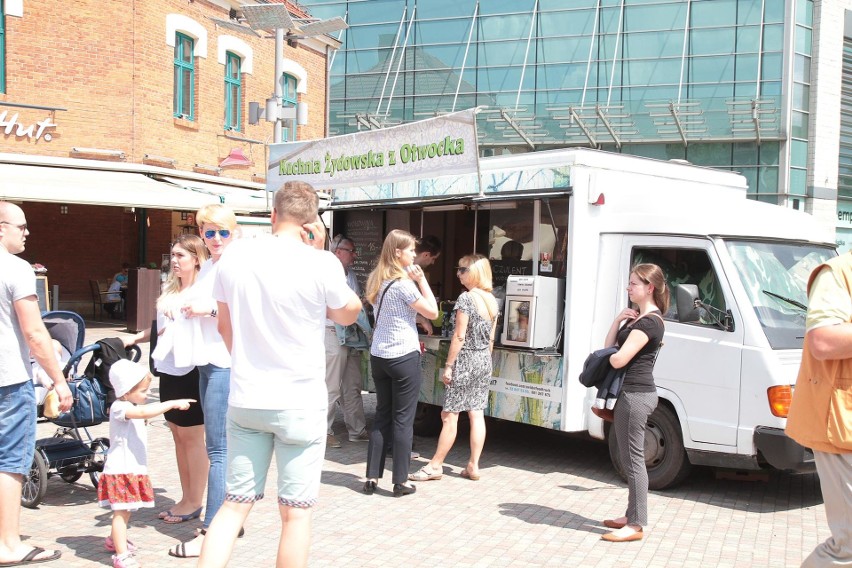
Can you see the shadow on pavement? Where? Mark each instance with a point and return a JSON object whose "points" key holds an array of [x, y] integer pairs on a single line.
{"points": [[542, 515]]}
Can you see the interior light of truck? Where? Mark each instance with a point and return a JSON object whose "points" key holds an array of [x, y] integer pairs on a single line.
{"points": [[779, 400]]}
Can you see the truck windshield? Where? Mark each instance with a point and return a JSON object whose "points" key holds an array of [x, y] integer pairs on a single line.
{"points": [[775, 276]]}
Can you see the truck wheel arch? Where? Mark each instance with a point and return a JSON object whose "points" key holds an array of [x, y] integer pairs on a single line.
{"points": [[665, 456]]}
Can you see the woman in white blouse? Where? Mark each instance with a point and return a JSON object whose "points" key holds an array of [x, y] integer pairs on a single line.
{"points": [[398, 290]]}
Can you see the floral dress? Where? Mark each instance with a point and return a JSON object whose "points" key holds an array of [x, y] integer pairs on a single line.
{"points": [[472, 371]]}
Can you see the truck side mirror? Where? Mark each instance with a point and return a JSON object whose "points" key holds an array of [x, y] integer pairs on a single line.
{"points": [[686, 296]]}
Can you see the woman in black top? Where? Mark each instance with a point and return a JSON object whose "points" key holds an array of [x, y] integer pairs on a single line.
{"points": [[638, 342]]}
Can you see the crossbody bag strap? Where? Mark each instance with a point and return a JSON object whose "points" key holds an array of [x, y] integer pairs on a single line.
{"points": [[660, 346], [382, 299]]}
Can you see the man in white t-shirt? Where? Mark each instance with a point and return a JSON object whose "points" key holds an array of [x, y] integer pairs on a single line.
{"points": [[274, 294], [22, 332]]}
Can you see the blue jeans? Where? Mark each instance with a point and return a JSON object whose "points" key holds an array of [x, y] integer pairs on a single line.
{"points": [[17, 427], [214, 386]]}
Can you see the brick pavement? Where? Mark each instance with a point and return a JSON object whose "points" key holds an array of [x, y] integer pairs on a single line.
{"points": [[539, 503]]}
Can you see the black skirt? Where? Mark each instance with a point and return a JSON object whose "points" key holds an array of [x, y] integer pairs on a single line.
{"points": [[184, 386]]}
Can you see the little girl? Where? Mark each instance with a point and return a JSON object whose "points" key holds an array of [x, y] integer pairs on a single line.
{"points": [[125, 486]]}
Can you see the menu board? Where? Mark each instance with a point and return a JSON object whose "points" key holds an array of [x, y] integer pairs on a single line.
{"points": [[366, 229]]}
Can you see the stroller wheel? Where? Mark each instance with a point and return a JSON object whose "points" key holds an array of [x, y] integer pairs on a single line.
{"points": [[71, 475], [99, 448], [35, 484]]}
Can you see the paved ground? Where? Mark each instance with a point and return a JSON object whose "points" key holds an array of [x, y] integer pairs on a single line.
{"points": [[539, 503]]}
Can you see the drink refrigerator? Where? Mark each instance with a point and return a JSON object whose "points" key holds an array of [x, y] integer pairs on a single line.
{"points": [[533, 311]]}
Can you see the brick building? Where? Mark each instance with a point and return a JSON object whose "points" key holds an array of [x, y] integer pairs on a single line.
{"points": [[119, 119]]}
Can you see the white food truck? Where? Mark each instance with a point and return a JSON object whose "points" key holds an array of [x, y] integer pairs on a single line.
{"points": [[562, 229]]}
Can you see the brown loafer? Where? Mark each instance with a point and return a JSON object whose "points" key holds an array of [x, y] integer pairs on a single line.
{"points": [[612, 537], [613, 524]]}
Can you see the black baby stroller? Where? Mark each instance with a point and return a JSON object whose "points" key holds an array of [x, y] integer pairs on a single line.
{"points": [[72, 450]]}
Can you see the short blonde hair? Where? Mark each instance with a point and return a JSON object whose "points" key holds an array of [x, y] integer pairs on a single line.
{"points": [[216, 214], [480, 271], [297, 201]]}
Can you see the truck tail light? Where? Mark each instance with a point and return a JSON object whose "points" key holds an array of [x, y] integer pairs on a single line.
{"points": [[779, 400]]}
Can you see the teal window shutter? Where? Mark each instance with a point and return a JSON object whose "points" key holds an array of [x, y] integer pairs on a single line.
{"points": [[184, 87], [233, 92]]}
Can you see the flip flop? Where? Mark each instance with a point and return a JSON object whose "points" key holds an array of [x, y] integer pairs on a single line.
{"points": [[163, 514], [467, 475], [179, 551], [30, 557], [177, 519]]}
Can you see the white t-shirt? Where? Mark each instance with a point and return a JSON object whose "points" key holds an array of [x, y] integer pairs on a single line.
{"points": [[17, 281], [214, 350], [277, 291], [128, 442]]}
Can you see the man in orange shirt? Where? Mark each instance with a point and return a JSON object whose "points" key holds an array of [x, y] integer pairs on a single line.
{"points": [[820, 416]]}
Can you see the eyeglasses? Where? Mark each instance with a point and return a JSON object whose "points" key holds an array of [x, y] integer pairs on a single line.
{"points": [[21, 227], [224, 233], [462, 269], [350, 251]]}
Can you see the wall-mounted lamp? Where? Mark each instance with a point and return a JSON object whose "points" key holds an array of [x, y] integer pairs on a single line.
{"points": [[162, 161], [98, 153], [272, 111]]}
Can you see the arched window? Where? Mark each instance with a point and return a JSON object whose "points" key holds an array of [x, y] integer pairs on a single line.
{"points": [[289, 98], [233, 91]]}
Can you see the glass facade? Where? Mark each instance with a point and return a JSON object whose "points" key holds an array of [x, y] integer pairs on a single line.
{"points": [[701, 80]]}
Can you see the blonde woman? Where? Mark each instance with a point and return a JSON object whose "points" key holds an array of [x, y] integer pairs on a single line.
{"points": [[467, 372], [217, 226], [398, 290], [171, 354]]}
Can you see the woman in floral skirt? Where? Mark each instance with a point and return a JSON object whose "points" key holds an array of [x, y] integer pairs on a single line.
{"points": [[467, 372]]}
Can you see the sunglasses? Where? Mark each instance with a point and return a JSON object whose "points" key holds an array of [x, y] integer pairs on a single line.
{"points": [[462, 269], [21, 227], [224, 233]]}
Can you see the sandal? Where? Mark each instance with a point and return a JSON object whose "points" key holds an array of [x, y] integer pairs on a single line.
{"points": [[424, 474], [471, 476], [110, 545], [177, 519]]}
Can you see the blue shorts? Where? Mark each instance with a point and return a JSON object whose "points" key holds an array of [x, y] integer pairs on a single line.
{"points": [[17, 427], [296, 437]]}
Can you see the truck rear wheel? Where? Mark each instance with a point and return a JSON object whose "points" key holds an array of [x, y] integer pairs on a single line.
{"points": [[427, 420], [665, 457]]}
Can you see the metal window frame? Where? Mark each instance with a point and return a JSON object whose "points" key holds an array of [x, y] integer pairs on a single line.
{"points": [[183, 66], [232, 122], [286, 79]]}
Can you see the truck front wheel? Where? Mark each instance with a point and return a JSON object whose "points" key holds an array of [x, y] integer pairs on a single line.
{"points": [[665, 457], [427, 420]]}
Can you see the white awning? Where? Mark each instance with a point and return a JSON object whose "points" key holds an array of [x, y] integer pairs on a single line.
{"points": [[237, 198], [56, 184]]}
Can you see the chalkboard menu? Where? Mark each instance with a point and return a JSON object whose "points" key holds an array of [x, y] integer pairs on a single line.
{"points": [[366, 229], [42, 291]]}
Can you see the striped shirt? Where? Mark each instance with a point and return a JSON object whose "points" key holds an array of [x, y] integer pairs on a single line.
{"points": [[396, 331]]}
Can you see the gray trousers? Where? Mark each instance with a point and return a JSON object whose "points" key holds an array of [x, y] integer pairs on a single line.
{"points": [[835, 479], [343, 380], [631, 420]]}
